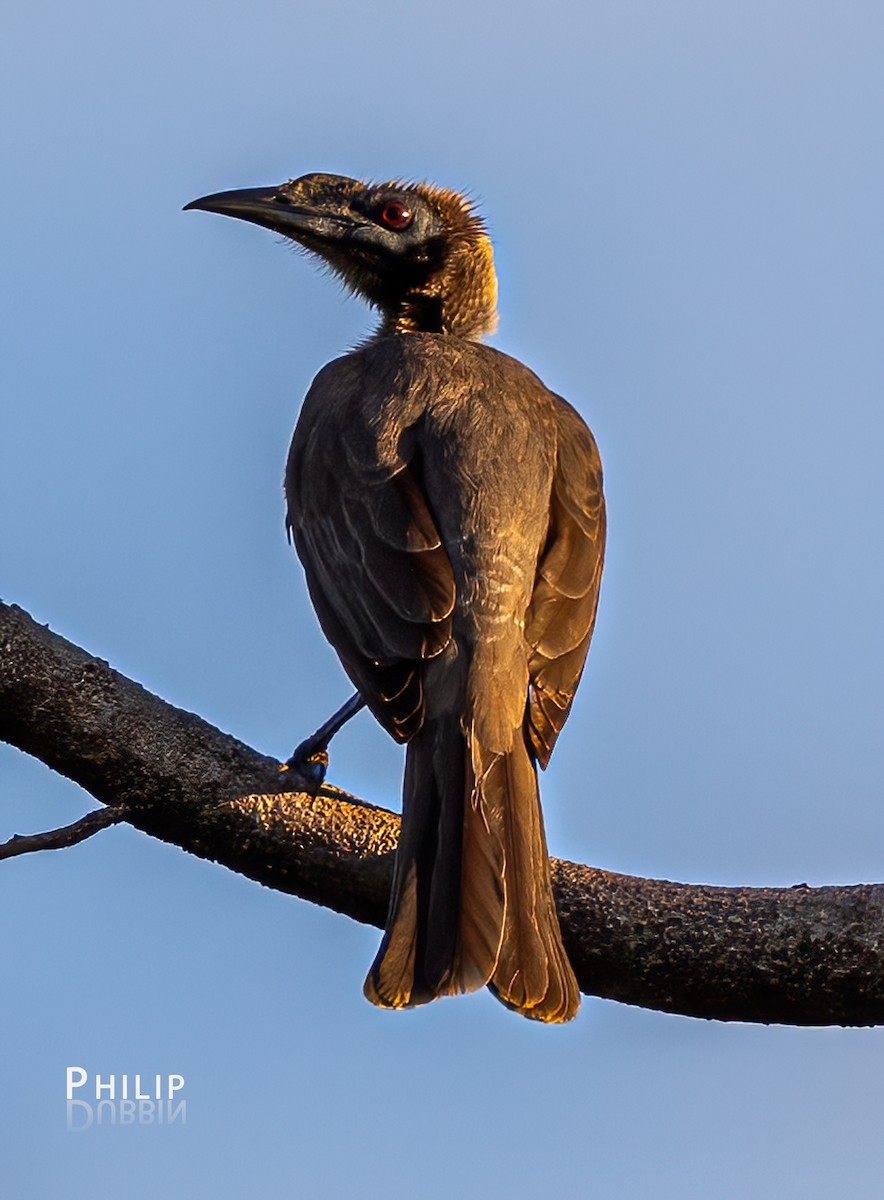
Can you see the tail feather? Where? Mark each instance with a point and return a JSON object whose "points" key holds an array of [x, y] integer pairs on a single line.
{"points": [[482, 917], [472, 899], [532, 974], [414, 962]]}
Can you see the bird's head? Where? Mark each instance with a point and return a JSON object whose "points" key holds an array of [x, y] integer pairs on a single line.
{"points": [[417, 253]]}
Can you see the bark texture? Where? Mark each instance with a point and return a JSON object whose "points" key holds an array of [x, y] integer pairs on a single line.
{"points": [[801, 956]]}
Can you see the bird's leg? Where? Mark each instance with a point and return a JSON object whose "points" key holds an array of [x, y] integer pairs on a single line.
{"points": [[310, 759]]}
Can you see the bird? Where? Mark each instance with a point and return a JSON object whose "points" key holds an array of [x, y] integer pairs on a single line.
{"points": [[448, 511]]}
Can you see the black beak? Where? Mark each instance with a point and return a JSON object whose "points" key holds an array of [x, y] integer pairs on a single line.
{"points": [[272, 209]]}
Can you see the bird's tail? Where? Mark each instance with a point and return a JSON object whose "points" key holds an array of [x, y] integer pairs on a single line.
{"points": [[472, 901]]}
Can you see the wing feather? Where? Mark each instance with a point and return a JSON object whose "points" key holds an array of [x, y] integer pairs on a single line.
{"points": [[378, 574], [561, 616]]}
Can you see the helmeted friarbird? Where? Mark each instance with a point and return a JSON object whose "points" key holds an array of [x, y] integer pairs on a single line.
{"points": [[448, 511]]}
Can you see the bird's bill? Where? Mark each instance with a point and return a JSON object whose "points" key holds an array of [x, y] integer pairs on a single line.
{"points": [[271, 208]]}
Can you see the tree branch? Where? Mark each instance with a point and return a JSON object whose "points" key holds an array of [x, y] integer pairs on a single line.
{"points": [[68, 835], [791, 955]]}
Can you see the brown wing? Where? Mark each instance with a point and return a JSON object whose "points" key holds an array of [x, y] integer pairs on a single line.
{"points": [[561, 616], [379, 578]]}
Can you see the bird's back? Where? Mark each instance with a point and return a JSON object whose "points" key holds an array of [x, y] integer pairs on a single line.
{"points": [[479, 428]]}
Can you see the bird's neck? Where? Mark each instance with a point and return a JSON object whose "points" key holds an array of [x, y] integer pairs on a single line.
{"points": [[460, 298]]}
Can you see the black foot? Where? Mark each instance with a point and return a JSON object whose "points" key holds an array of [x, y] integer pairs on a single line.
{"points": [[308, 764], [309, 761]]}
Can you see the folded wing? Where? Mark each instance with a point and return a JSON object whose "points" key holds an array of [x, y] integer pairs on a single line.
{"points": [[379, 577], [561, 616]]}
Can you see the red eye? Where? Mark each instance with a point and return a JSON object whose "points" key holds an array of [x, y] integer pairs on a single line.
{"points": [[395, 215]]}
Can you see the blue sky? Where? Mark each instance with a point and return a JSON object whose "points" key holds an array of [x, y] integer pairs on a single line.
{"points": [[686, 201]]}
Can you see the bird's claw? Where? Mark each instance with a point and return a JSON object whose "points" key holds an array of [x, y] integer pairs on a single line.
{"points": [[309, 761], [309, 764]]}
